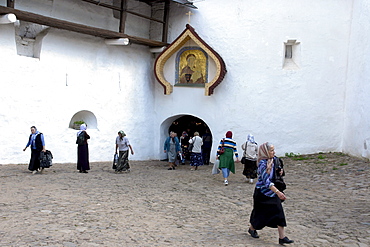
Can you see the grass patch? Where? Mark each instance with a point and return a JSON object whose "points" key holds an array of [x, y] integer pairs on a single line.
{"points": [[343, 164], [321, 157], [301, 158], [291, 155], [320, 162], [298, 156], [335, 168]]}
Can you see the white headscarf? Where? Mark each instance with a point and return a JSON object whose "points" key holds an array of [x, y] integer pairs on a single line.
{"points": [[82, 128], [250, 138]]}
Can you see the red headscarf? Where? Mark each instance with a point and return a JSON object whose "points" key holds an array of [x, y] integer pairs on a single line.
{"points": [[229, 134]]}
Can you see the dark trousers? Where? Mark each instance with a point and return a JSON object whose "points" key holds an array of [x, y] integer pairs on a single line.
{"points": [[206, 153]]}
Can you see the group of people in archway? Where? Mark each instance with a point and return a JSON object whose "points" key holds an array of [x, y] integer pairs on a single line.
{"points": [[194, 148]]}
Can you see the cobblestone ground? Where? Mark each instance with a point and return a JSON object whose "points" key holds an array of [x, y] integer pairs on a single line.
{"points": [[328, 205]]}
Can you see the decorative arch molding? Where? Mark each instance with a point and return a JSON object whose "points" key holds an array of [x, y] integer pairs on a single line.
{"points": [[87, 116], [187, 35]]}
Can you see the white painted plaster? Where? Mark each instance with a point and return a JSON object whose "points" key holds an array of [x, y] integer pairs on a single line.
{"points": [[356, 139], [297, 110], [320, 107]]}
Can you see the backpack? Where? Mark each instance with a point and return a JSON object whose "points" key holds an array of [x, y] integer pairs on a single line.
{"points": [[81, 138], [278, 179]]}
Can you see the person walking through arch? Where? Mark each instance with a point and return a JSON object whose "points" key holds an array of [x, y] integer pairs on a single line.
{"points": [[172, 148], [206, 147], [196, 153]]}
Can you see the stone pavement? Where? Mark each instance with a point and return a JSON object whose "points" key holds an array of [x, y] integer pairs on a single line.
{"points": [[328, 205]]}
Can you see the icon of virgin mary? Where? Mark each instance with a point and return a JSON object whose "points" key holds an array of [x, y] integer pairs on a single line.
{"points": [[191, 71]]}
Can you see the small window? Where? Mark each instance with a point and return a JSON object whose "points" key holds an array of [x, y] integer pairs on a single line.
{"points": [[292, 56], [288, 51]]}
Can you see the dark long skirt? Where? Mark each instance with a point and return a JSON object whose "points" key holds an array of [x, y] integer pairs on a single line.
{"points": [[196, 159], [250, 168], [35, 160], [123, 164], [83, 157], [267, 211]]}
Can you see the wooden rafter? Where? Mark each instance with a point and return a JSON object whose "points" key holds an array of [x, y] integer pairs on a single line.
{"points": [[79, 28], [119, 9]]}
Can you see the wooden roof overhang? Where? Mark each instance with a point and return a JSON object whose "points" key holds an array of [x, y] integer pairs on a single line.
{"points": [[89, 30]]}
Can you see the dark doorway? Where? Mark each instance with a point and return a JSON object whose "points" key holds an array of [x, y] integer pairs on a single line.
{"points": [[190, 124]]}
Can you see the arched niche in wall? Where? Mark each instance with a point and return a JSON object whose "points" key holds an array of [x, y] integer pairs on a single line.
{"points": [[87, 116]]}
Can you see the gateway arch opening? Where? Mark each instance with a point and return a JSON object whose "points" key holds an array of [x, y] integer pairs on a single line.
{"points": [[191, 124]]}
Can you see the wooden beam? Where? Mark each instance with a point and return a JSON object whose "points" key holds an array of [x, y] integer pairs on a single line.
{"points": [[122, 16], [103, 4], [166, 15], [79, 28], [119, 9]]}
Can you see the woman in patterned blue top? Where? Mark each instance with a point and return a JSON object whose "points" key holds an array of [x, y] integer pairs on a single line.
{"points": [[267, 208]]}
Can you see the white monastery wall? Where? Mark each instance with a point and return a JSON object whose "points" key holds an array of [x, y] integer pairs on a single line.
{"points": [[356, 139], [300, 110], [75, 73]]}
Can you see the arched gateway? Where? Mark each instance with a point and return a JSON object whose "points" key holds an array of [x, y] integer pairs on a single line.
{"points": [[178, 124]]}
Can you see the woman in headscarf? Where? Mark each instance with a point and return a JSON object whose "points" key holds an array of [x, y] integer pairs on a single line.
{"points": [[123, 145], [226, 158], [184, 143], [37, 143], [83, 164], [196, 153], [267, 208], [250, 158], [172, 148]]}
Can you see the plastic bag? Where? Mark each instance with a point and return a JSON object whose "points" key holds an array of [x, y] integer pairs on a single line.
{"points": [[115, 162], [215, 169]]}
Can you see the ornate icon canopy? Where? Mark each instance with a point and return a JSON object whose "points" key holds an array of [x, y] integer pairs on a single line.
{"points": [[195, 65]]}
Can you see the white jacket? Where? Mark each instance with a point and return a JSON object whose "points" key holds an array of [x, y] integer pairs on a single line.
{"points": [[250, 150], [197, 144]]}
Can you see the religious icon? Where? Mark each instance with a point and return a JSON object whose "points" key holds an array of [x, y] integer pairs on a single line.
{"points": [[189, 62], [192, 67]]}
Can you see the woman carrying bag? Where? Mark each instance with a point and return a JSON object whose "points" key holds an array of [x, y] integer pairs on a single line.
{"points": [[225, 153]]}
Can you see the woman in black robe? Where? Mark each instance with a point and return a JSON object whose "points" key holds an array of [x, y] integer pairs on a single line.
{"points": [[83, 150]]}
